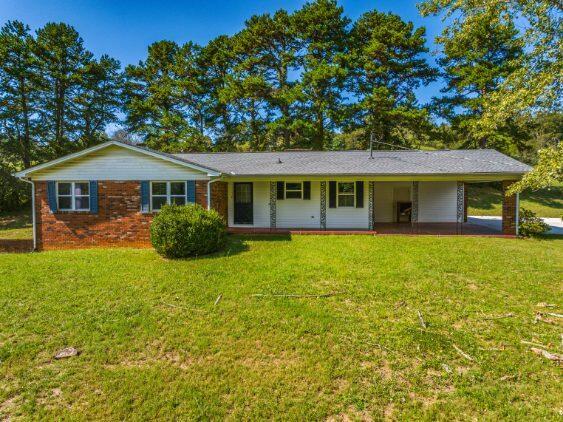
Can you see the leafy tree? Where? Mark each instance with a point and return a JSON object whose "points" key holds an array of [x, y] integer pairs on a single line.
{"points": [[268, 46], [322, 28], [98, 99], [61, 56], [386, 66], [547, 172], [18, 94], [217, 59], [476, 61], [535, 83], [155, 98], [191, 90]]}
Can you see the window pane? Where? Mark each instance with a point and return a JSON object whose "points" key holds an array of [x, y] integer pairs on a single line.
{"points": [[292, 195], [82, 203], [177, 188], [159, 188], [178, 200], [64, 202], [64, 189], [158, 202], [345, 200], [81, 188], [293, 186], [346, 187]]}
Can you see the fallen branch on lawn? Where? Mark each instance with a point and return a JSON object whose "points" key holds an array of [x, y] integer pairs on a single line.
{"points": [[540, 317], [554, 315], [218, 299], [462, 353], [422, 323], [545, 305], [509, 315], [297, 296], [531, 343], [551, 356]]}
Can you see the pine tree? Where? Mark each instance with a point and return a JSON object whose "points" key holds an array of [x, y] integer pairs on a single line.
{"points": [[475, 64], [386, 66], [217, 59], [155, 101], [98, 100], [322, 28], [267, 48], [61, 56], [18, 94]]}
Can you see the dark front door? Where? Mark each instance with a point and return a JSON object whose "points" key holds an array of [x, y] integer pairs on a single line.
{"points": [[243, 203]]}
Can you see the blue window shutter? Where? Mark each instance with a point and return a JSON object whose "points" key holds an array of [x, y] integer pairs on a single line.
{"points": [[145, 196], [52, 195], [93, 196], [191, 191]]}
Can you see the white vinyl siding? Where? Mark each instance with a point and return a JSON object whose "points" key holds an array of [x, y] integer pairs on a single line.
{"points": [[348, 217], [116, 163], [300, 213], [437, 202]]}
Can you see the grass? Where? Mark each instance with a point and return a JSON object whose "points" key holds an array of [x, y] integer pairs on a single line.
{"points": [[486, 199], [16, 225], [154, 346]]}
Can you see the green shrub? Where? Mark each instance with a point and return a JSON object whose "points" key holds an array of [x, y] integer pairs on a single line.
{"points": [[530, 224], [189, 230]]}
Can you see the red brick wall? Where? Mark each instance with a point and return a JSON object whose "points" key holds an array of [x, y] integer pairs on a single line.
{"points": [[201, 193], [219, 199], [508, 210], [119, 221]]}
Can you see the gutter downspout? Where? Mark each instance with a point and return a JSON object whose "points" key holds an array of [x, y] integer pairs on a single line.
{"points": [[32, 211], [209, 191]]}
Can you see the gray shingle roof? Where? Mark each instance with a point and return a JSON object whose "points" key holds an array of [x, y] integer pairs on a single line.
{"points": [[444, 162]]}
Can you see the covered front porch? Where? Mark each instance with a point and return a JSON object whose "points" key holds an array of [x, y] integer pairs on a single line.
{"points": [[352, 206]]}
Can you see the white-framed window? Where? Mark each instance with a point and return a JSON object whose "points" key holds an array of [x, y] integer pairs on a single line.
{"points": [[346, 193], [73, 196], [163, 193], [293, 190]]}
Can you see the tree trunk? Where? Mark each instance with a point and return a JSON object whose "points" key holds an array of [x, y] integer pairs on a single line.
{"points": [[318, 140]]}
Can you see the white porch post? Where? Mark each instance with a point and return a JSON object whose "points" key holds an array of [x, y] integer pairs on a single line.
{"points": [[371, 204]]}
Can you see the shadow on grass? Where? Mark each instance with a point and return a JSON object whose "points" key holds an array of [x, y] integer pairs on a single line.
{"points": [[484, 196], [549, 197], [548, 237], [236, 244], [15, 220], [488, 195], [264, 237]]}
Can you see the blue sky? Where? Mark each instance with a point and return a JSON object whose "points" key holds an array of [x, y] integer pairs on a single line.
{"points": [[124, 28]]}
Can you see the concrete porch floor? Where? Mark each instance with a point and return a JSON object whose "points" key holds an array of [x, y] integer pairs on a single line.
{"points": [[437, 229]]}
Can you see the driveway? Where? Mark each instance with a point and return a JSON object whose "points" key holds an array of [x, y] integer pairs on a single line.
{"points": [[495, 223]]}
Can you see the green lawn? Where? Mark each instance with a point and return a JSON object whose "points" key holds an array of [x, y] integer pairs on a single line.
{"points": [[16, 225], [154, 346], [485, 199]]}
